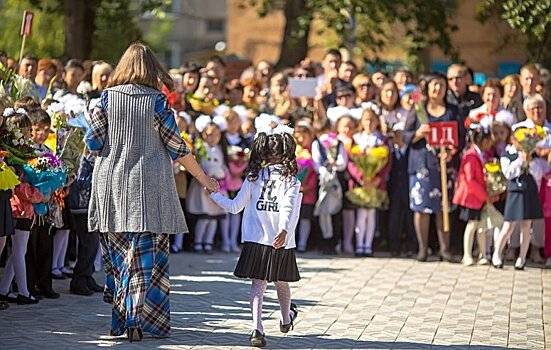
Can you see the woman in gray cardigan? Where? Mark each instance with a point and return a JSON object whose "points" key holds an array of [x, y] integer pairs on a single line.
{"points": [[134, 198]]}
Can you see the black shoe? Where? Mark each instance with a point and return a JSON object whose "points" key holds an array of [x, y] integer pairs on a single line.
{"points": [[6, 298], [23, 300], [37, 294], [93, 286], [257, 339], [446, 256], [422, 256], [134, 334], [4, 305], [81, 290], [285, 328], [49, 294], [207, 248]]}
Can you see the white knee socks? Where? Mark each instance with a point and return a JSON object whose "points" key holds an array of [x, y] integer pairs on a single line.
{"points": [[326, 225], [365, 230], [16, 264], [61, 240], [204, 232], [230, 230]]}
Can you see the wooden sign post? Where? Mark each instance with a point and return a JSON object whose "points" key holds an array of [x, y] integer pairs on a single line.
{"points": [[26, 28], [444, 135]]}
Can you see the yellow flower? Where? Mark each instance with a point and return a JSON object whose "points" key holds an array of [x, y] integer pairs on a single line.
{"points": [[540, 132], [492, 167], [356, 150], [380, 152], [520, 134]]}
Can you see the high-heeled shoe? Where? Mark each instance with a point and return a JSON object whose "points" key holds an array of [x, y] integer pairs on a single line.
{"points": [[134, 334], [285, 328], [257, 339]]}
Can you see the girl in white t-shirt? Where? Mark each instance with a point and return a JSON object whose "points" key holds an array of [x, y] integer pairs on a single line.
{"points": [[271, 201]]}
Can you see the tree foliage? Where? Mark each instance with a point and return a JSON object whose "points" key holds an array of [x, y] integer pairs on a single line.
{"points": [[530, 18], [47, 35], [113, 25], [368, 26]]}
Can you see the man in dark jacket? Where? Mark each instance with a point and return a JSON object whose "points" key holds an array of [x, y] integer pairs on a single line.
{"points": [[458, 94]]}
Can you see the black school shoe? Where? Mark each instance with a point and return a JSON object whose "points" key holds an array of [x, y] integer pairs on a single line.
{"points": [[285, 328], [23, 300], [6, 298], [257, 339]]}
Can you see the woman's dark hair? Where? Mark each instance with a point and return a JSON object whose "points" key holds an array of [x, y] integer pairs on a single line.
{"points": [[396, 90], [435, 76], [273, 149]]}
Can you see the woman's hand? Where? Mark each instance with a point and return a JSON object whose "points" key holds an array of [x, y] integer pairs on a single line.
{"points": [[422, 132], [279, 240]]}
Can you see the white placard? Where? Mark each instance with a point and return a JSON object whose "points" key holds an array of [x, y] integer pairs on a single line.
{"points": [[303, 87]]}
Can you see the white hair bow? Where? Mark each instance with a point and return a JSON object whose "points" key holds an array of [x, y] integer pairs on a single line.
{"points": [[204, 120], [8, 112], [270, 125]]}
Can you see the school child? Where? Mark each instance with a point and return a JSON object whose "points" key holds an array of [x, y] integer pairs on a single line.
{"points": [[470, 192], [304, 135], [21, 206], [236, 154], [522, 206], [370, 136], [329, 158], [210, 152], [270, 201]]}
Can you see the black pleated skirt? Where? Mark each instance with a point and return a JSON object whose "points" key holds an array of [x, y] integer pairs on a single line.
{"points": [[7, 223], [263, 262]]}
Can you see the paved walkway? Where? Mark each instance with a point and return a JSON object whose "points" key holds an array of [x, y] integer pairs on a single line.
{"points": [[345, 303]]}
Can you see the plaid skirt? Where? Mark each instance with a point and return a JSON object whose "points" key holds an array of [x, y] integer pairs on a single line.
{"points": [[142, 286]]}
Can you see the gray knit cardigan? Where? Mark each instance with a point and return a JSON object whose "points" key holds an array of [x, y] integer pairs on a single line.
{"points": [[133, 186]]}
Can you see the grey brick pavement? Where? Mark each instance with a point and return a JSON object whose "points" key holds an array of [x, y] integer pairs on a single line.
{"points": [[344, 303]]}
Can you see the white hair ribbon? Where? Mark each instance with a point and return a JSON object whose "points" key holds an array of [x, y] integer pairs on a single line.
{"points": [[204, 120]]}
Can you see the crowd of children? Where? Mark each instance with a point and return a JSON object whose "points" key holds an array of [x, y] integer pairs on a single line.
{"points": [[369, 180]]}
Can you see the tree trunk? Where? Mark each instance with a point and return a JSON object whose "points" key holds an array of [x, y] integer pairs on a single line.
{"points": [[80, 17], [294, 46]]}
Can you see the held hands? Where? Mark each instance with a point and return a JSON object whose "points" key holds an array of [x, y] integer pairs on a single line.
{"points": [[423, 131], [211, 185], [279, 240]]}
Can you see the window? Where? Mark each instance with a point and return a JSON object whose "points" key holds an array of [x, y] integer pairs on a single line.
{"points": [[215, 25]]}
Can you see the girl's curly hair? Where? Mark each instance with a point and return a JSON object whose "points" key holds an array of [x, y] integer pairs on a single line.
{"points": [[271, 150]]}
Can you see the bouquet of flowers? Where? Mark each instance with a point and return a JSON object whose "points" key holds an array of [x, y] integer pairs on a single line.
{"points": [[496, 183], [47, 174], [8, 179], [67, 139], [203, 105], [419, 106], [529, 137], [490, 218], [18, 147], [370, 162], [304, 162]]}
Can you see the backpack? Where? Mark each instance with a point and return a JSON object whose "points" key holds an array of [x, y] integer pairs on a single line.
{"points": [[81, 189]]}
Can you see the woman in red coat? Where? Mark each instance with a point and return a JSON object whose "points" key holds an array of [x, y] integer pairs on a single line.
{"points": [[470, 192]]}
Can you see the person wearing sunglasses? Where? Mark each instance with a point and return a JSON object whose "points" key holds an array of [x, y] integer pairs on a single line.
{"points": [[458, 95]]}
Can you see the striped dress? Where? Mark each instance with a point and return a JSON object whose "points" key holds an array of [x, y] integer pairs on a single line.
{"points": [[134, 202]]}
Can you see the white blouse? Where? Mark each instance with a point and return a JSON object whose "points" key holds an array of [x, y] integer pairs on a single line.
{"points": [[271, 204]]}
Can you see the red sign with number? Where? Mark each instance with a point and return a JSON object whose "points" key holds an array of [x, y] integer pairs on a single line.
{"points": [[27, 24], [443, 134]]}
